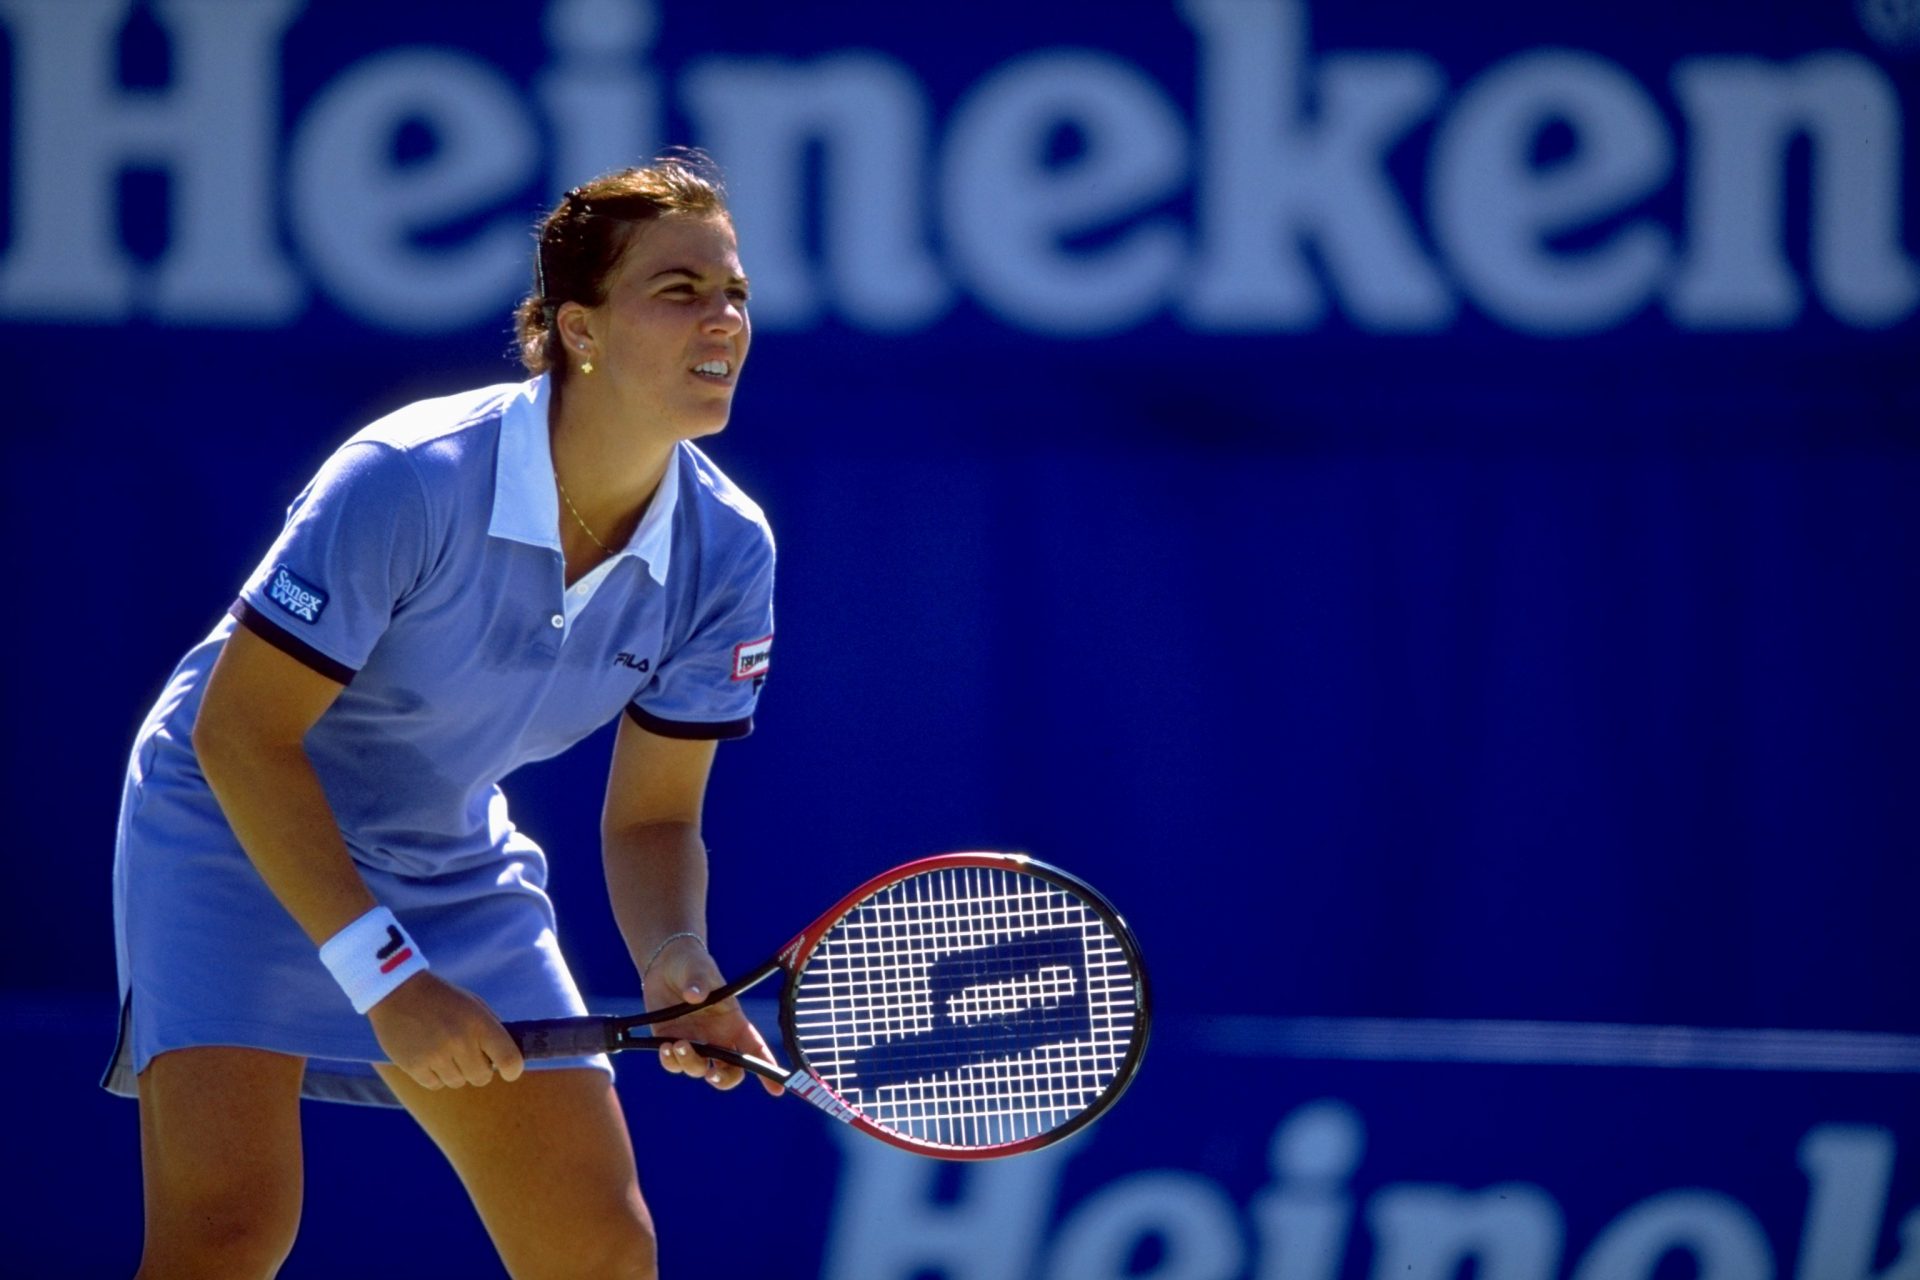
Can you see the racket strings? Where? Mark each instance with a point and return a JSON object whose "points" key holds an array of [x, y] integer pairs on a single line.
{"points": [[968, 1007]]}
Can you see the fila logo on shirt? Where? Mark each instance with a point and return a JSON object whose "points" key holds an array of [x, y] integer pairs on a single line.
{"points": [[641, 665], [750, 659], [296, 595]]}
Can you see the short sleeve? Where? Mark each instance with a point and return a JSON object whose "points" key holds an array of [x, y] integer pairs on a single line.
{"points": [[354, 545], [708, 686]]}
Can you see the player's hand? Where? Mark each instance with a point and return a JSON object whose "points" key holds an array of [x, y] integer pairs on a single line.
{"points": [[685, 973], [442, 1036]]}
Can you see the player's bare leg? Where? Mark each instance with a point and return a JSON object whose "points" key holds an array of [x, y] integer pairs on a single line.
{"points": [[549, 1166], [220, 1155]]}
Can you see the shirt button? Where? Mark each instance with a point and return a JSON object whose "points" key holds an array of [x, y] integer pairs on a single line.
{"points": [[558, 621]]}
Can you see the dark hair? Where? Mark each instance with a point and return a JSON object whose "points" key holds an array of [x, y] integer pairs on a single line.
{"points": [[581, 242]]}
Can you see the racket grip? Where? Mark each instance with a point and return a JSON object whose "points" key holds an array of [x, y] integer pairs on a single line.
{"points": [[562, 1037]]}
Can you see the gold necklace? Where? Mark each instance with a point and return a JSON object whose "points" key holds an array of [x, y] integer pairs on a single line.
{"points": [[605, 549]]}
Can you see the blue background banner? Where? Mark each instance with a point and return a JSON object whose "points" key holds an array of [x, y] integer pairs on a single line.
{"points": [[1416, 503]]}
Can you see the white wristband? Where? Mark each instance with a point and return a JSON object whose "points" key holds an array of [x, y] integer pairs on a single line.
{"points": [[370, 957]]}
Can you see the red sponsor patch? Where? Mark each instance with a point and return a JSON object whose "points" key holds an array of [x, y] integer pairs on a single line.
{"points": [[750, 659]]}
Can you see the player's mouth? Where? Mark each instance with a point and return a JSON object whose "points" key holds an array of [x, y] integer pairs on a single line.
{"points": [[719, 372]]}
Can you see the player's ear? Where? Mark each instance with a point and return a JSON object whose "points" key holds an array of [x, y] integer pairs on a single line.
{"points": [[574, 323]]}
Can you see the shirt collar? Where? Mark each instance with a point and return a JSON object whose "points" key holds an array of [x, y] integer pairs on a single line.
{"points": [[525, 506]]}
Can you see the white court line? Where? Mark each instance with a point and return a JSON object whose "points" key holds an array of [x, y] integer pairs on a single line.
{"points": [[1572, 1044]]}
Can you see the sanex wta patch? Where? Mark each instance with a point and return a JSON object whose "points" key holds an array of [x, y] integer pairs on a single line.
{"points": [[295, 594], [750, 659]]}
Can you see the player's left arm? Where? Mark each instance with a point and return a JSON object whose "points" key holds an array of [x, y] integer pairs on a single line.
{"points": [[656, 869]]}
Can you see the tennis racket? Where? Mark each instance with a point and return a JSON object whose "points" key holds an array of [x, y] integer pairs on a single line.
{"points": [[964, 1006]]}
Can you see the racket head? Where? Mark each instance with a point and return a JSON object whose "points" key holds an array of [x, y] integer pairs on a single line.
{"points": [[968, 1006]]}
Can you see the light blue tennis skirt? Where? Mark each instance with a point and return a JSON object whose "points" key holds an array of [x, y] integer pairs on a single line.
{"points": [[208, 956]]}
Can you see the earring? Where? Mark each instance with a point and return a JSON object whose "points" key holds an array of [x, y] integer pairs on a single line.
{"points": [[586, 367]]}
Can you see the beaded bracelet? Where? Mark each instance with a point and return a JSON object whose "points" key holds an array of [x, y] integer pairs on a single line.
{"points": [[666, 942]]}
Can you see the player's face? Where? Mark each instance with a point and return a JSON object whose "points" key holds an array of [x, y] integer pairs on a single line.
{"points": [[673, 332]]}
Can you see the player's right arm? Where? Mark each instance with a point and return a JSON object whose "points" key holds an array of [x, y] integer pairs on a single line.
{"points": [[250, 736]]}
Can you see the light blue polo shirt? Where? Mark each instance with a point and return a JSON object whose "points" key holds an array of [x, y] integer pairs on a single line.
{"points": [[422, 568]]}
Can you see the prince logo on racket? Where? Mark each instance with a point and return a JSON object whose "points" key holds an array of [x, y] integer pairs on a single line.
{"points": [[985, 1005]]}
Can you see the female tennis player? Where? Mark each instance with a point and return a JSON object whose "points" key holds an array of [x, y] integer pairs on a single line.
{"points": [[318, 890]]}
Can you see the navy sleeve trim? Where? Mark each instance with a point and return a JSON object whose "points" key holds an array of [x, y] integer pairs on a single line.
{"points": [[299, 650], [689, 731]]}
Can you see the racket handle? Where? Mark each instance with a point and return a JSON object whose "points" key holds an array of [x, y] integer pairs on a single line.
{"points": [[563, 1037]]}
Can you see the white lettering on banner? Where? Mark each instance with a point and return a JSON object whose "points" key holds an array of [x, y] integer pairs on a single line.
{"points": [[1509, 1232], [1270, 181], [1008, 210], [1721, 1235], [212, 131], [603, 109], [1191, 1218], [1747, 114], [356, 211], [1302, 1220], [869, 116], [1494, 210], [889, 1223], [1297, 212], [1848, 1169], [893, 1220]]}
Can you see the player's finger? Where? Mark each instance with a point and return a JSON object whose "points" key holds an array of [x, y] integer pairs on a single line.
{"points": [[723, 1075], [681, 1059], [733, 1031], [502, 1052], [447, 1074], [689, 1060], [758, 1048], [741, 1036], [472, 1066]]}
